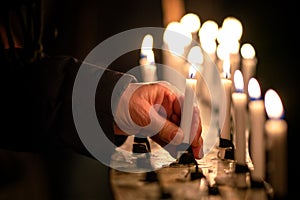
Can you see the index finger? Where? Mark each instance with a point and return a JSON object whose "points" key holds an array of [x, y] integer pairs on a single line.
{"points": [[196, 128]]}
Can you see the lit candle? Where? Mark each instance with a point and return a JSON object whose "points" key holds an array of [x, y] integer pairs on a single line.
{"points": [[188, 104], [176, 39], [229, 35], [195, 57], [191, 23], [227, 85], [248, 63], [233, 28], [239, 100], [207, 37], [222, 53], [257, 136], [147, 60], [276, 131]]}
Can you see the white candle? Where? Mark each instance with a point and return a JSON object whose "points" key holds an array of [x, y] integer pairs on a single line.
{"points": [[257, 136], [276, 131], [248, 63], [239, 100], [188, 104], [227, 85], [207, 36], [147, 60]]}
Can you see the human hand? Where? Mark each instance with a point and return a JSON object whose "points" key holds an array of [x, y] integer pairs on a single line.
{"points": [[154, 110]]}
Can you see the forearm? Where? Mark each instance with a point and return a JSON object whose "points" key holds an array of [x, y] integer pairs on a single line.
{"points": [[104, 104]]}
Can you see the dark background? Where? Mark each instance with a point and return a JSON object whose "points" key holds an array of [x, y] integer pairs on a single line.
{"points": [[76, 27]]}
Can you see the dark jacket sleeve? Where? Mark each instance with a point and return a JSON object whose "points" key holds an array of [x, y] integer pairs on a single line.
{"points": [[39, 105], [103, 104]]}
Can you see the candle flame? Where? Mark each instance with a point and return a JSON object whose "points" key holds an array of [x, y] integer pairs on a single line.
{"points": [[223, 51], [191, 22], [192, 72], [247, 51], [233, 28], [254, 89], [147, 44], [208, 31], [209, 46], [177, 37], [233, 46], [238, 81], [195, 55], [273, 104], [226, 68], [146, 50], [150, 57]]}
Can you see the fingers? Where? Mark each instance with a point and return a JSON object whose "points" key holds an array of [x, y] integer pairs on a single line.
{"points": [[196, 128], [118, 131], [195, 134], [198, 151], [155, 111], [171, 133]]}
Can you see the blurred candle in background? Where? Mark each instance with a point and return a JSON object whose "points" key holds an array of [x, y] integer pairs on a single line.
{"points": [[191, 22], [207, 36], [248, 63], [257, 134], [229, 36], [222, 53], [195, 63], [147, 60], [176, 40], [239, 100], [195, 58], [276, 132]]}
